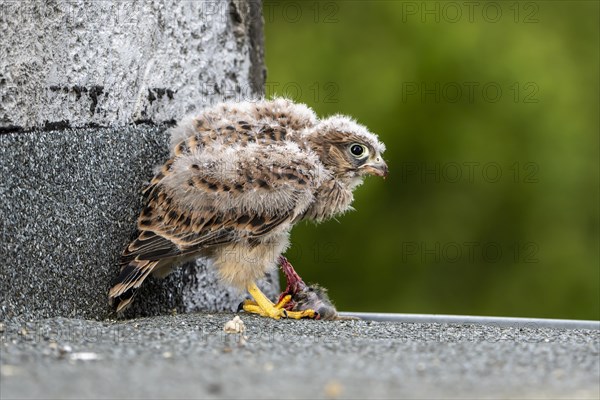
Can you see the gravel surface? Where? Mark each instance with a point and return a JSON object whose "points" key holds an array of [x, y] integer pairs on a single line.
{"points": [[189, 356]]}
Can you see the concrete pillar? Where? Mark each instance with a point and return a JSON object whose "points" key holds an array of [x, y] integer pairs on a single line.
{"points": [[87, 91]]}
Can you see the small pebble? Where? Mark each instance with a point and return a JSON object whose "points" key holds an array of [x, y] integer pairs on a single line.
{"points": [[333, 389], [64, 349], [214, 388], [236, 325], [8, 370], [558, 374], [84, 356]]}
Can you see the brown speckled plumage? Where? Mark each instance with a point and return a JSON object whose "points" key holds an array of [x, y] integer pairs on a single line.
{"points": [[239, 177]]}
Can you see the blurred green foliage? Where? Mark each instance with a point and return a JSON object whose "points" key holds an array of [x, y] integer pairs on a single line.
{"points": [[490, 113]]}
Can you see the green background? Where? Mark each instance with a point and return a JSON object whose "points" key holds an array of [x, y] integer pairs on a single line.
{"points": [[490, 117]]}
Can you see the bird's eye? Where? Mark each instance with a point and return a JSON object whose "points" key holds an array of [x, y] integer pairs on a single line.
{"points": [[358, 150]]}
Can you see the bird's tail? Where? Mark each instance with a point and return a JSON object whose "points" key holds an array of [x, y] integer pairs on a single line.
{"points": [[125, 285]]}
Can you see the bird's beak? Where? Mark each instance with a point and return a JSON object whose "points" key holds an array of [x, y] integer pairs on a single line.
{"points": [[378, 168]]}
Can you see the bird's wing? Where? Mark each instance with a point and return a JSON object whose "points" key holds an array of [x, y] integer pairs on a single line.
{"points": [[202, 137], [223, 194], [234, 120]]}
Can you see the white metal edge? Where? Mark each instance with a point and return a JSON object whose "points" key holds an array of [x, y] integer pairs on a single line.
{"points": [[477, 320]]}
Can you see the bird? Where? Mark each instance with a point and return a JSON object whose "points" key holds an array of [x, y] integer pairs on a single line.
{"points": [[239, 176]]}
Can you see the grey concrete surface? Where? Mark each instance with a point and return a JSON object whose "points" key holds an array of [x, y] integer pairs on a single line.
{"points": [[189, 356], [70, 200], [69, 63]]}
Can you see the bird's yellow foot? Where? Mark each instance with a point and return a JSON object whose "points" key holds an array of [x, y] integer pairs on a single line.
{"points": [[265, 307], [280, 304]]}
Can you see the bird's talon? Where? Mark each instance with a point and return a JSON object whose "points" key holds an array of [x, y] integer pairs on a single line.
{"points": [[247, 302], [271, 312], [283, 301], [301, 314], [264, 307], [240, 307]]}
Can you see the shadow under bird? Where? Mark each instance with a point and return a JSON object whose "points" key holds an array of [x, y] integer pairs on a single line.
{"points": [[240, 175]]}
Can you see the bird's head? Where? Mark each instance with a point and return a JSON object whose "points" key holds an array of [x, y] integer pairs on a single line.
{"points": [[347, 149]]}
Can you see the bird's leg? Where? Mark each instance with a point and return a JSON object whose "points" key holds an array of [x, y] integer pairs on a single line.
{"points": [[266, 308], [286, 297], [263, 306]]}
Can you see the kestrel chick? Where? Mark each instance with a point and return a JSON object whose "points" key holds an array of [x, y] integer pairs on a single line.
{"points": [[240, 176]]}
